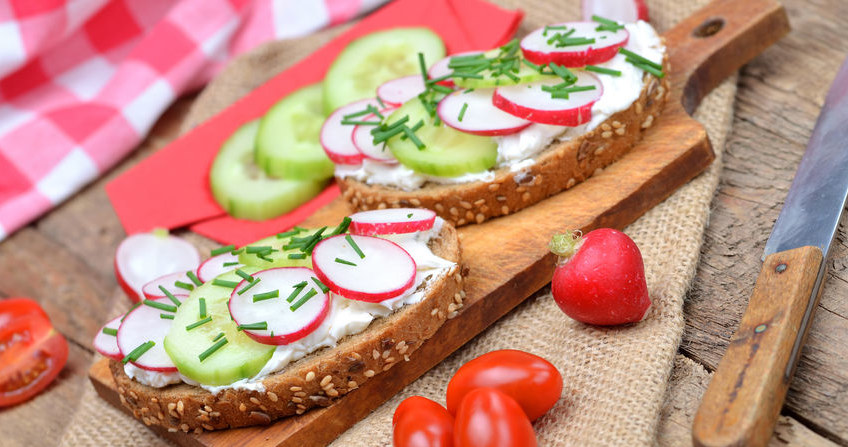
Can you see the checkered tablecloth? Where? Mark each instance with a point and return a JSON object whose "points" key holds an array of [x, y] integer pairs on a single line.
{"points": [[82, 81]]}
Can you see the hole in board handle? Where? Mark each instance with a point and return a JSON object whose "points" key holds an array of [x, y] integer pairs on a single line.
{"points": [[710, 27]]}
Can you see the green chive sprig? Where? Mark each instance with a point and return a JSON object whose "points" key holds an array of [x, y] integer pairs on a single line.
{"points": [[222, 250], [345, 262], [320, 285], [214, 348], [602, 70], [138, 352], [110, 331], [170, 296], [355, 247], [194, 277], [266, 295], [198, 323], [303, 300], [224, 283], [258, 326], [160, 306]]}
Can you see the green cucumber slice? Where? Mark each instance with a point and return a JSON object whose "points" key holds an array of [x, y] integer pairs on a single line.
{"points": [[288, 140], [376, 58], [279, 258], [447, 152], [244, 191], [240, 358]]}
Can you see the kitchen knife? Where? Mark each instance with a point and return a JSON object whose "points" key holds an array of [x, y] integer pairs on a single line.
{"points": [[743, 400]]}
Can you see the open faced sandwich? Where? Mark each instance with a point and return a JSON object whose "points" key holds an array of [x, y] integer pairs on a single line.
{"points": [[285, 324], [484, 134]]}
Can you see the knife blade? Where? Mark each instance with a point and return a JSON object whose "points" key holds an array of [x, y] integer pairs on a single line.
{"points": [[743, 400]]}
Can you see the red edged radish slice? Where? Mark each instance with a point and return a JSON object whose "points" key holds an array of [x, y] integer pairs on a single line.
{"points": [[336, 138], [143, 257], [536, 48], [286, 305], [398, 91], [380, 268], [441, 68], [106, 340], [391, 221], [473, 112], [144, 324], [627, 11], [217, 265], [364, 142], [530, 102], [153, 289]]}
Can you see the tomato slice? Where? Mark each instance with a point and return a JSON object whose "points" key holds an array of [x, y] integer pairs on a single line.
{"points": [[31, 352]]}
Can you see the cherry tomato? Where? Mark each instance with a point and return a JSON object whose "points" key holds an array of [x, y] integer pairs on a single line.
{"points": [[420, 422], [31, 352], [489, 418], [529, 379]]}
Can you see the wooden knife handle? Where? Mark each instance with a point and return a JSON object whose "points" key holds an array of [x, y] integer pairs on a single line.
{"points": [[746, 393]]}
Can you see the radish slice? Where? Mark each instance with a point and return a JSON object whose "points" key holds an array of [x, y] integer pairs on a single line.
{"points": [[153, 291], [143, 257], [217, 265], [400, 90], [536, 48], [530, 102], [441, 68], [107, 344], [289, 316], [479, 116], [145, 324], [385, 271], [391, 221], [336, 138], [364, 142], [627, 11]]}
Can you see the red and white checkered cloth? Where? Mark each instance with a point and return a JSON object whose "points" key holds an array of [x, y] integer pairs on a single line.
{"points": [[82, 81]]}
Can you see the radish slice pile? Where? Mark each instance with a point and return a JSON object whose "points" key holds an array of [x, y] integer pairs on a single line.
{"points": [[217, 265], [473, 112], [286, 305], [370, 269], [530, 102], [364, 142], [391, 221], [627, 11], [143, 325], [153, 289], [400, 90], [107, 344], [536, 48], [144, 257], [441, 68], [336, 138]]}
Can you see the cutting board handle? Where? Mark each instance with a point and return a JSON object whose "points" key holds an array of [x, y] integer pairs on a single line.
{"points": [[713, 43]]}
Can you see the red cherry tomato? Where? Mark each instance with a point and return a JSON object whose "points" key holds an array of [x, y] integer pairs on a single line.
{"points": [[529, 379], [489, 418], [31, 352], [420, 422]]}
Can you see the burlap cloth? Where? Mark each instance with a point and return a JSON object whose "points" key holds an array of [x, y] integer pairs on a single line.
{"points": [[616, 380]]}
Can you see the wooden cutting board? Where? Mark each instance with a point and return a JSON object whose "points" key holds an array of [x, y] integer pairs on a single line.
{"points": [[507, 258]]}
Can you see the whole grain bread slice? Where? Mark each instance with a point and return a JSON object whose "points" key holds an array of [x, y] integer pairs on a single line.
{"points": [[316, 379], [559, 167]]}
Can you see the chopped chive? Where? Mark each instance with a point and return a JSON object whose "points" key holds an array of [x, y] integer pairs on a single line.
{"points": [[160, 306], [648, 68], [422, 66], [532, 65], [222, 250], [462, 111], [230, 264], [573, 41], [342, 227], [342, 261], [320, 285], [110, 331], [218, 337], [249, 286], [553, 27], [380, 101], [468, 91], [235, 252], [409, 216], [166, 316], [297, 288], [360, 123], [205, 354], [441, 88], [202, 304], [354, 246], [194, 278], [224, 283], [286, 234], [138, 352], [607, 24], [259, 326], [297, 255], [266, 295], [259, 249], [639, 58], [264, 257], [244, 275], [602, 70], [134, 307], [439, 79], [300, 284], [183, 285], [415, 140], [170, 296], [356, 114], [198, 323], [564, 73], [303, 300]]}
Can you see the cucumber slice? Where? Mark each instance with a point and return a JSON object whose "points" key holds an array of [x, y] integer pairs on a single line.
{"points": [[240, 358], [447, 152], [279, 258], [244, 191], [288, 141], [376, 58]]}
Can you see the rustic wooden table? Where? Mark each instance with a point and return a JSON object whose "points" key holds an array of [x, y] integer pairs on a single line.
{"points": [[68, 252]]}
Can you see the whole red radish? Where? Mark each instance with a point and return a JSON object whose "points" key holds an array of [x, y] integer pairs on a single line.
{"points": [[600, 278], [420, 422]]}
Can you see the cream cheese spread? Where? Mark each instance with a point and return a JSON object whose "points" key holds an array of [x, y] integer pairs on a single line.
{"points": [[619, 93]]}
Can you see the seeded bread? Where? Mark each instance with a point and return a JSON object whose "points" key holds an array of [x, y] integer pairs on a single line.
{"points": [[315, 380], [559, 167]]}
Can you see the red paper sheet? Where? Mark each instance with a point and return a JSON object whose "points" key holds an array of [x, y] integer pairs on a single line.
{"points": [[171, 188]]}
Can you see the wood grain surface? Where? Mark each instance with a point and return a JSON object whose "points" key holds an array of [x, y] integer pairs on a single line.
{"points": [[780, 93]]}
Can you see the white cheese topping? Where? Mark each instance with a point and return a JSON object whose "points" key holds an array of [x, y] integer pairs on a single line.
{"points": [[619, 93], [151, 378]]}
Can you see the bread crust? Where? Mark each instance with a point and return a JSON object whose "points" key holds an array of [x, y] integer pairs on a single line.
{"points": [[559, 167], [315, 380]]}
